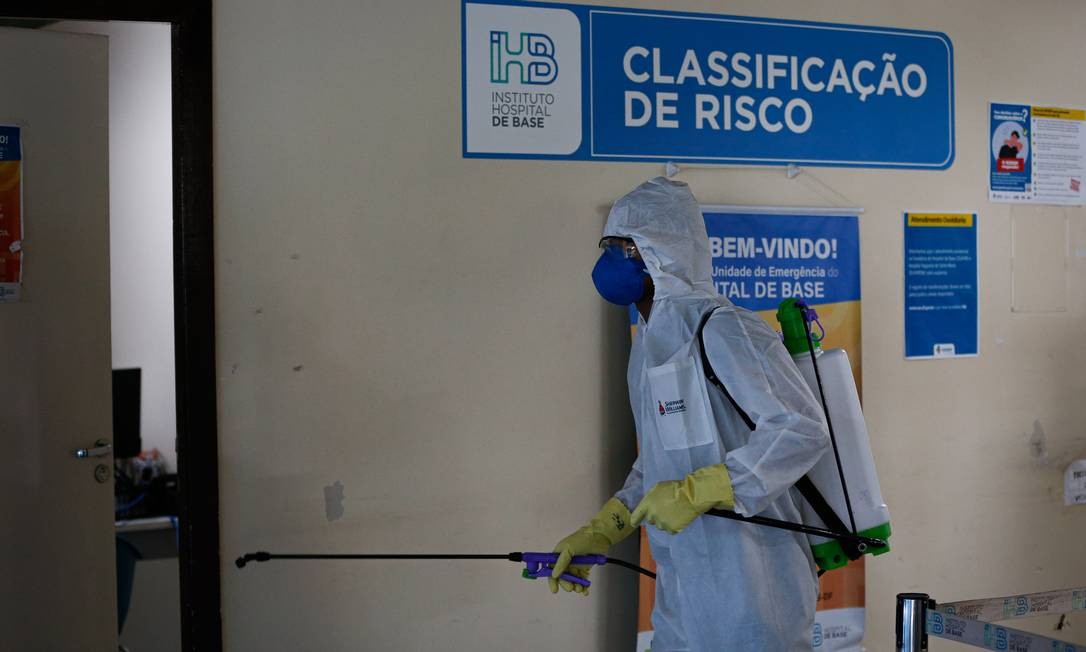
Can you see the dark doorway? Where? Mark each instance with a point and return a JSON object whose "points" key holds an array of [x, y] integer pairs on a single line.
{"points": [[193, 279]]}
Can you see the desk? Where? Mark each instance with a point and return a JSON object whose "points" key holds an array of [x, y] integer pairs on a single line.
{"points": [[154, 614], [154, 537]]}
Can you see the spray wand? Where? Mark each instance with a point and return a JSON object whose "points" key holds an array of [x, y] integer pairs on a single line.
{"points": [[537, 564]]}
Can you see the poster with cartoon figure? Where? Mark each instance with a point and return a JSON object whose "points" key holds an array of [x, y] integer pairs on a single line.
{"points": [[1010, 178]]}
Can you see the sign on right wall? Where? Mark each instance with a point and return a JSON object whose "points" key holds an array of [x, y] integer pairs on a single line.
{"points": [[940, 285], [1037, 154]]}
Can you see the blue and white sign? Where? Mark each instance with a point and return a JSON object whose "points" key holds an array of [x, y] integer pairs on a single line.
{"points": [[558, 81], [940, 285], [761, 258]]}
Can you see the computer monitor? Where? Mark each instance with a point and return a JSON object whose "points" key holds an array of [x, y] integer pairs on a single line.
{"points": [[126, 413]]}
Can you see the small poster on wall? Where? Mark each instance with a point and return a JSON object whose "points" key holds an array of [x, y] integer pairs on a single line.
{"points": [[940, 285], [11, 213], [1038, 154]]}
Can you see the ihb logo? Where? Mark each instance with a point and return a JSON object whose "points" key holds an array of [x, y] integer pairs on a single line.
{"points": [[532, 55]]}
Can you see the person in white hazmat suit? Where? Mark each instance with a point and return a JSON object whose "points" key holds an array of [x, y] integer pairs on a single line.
{"points": [[721, 585]]}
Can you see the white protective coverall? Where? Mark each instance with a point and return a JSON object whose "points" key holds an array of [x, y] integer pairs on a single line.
{"points": [[721, 585]]}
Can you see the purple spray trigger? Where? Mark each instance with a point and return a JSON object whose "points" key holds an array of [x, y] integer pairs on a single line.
{"points": [[811, 316], [539, 564]]}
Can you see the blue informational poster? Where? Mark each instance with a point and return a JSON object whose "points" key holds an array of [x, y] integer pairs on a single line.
{"points": [[561, 81], [940, 285], [764, 256], [761, 259]]}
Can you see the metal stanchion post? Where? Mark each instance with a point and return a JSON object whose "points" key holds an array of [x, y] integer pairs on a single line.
{"points": [[912, 617]]}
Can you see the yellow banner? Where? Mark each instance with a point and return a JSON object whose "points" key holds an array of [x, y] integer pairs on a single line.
{"points": [[1056, 112], [941, 219]]}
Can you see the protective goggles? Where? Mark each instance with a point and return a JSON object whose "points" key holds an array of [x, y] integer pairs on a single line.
{"points": [[623, 245]]}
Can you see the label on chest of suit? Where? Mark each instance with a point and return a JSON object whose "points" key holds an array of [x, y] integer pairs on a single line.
{"points": [[681, 412]]}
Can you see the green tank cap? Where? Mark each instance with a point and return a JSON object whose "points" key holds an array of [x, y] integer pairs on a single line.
{"points": [[791, 321]]}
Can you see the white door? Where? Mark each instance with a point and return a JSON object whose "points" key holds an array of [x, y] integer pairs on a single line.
{"points": [[57, 576]]}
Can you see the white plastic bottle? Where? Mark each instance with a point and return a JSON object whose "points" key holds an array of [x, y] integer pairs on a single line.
{"points": [[853, 447]]}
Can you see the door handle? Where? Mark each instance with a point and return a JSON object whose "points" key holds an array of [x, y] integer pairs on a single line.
{"points": [[101, 449]]}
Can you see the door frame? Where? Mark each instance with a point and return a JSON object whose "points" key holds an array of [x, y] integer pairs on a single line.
{"points": [[194, 290]]}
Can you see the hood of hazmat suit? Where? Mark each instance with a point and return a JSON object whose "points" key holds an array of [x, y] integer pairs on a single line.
{"points": [[722, 585]]}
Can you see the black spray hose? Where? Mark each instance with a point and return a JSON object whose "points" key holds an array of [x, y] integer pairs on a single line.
{"points": [[633, 567], [802, 307]]}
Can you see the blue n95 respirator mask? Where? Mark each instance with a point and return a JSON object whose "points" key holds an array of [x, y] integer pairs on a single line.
{"points": [[619, 277]]}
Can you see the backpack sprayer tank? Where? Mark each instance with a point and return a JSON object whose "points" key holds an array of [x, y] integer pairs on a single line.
{"points": [[842, 403]]}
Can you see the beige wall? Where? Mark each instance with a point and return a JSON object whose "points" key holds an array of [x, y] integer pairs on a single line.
{"points": [[422, 329]]}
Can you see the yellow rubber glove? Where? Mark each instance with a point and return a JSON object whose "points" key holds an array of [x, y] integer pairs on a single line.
{"points": [[608, 527], [674, 504]]}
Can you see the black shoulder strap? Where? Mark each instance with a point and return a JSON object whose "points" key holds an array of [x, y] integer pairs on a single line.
{"points": [[707, 367], [806, 488]]}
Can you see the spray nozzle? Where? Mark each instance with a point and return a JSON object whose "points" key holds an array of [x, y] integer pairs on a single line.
{"points": [[794, 317]]}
